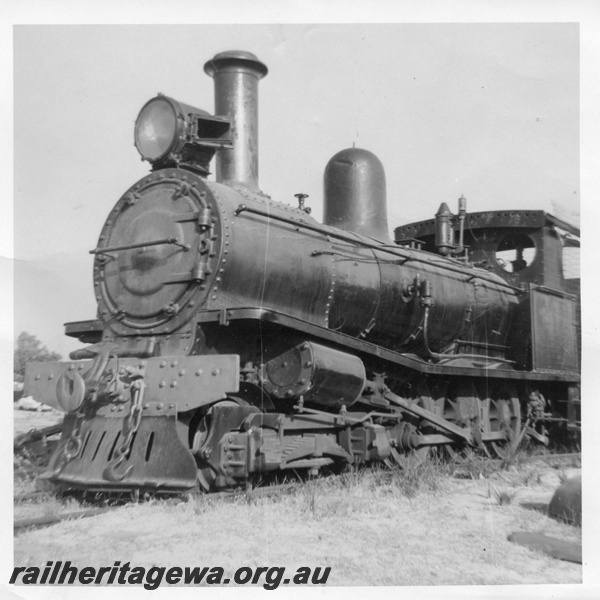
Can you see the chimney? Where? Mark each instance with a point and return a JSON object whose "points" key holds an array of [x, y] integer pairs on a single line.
{"points": [[236, 74]]}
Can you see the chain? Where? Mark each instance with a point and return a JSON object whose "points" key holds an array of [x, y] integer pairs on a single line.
{"points": [[93, 387], [71, 447], [131, 425]]}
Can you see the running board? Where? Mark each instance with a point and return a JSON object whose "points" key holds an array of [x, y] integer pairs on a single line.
{"points": [[411, 361]]}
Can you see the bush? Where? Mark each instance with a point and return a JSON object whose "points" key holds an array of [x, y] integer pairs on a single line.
{"points": [[30, 349]]}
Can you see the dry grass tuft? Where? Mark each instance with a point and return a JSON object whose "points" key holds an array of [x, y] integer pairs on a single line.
{"points": [[503, 497], [421, 475], [514, 459], [531, 477], [474, 467]]}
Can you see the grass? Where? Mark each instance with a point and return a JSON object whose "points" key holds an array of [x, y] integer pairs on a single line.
{"points": [[372, 526], [531, 477], [421, 475], [353, 491], [26, 472], [503, 497], [416, 476], [37, 497], [309, 499], [474, 467], [413, 477]]}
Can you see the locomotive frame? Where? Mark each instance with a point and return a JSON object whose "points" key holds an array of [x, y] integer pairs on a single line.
{"points": [[343, 347]]}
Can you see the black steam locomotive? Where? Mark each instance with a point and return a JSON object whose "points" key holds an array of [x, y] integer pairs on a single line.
{"points": [[236, 335]]}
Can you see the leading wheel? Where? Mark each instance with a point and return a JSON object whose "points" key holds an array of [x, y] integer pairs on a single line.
{"points": [[431, 398], [462, 408], [425, 394], [502, 414], [203, 438], [203, 442]]}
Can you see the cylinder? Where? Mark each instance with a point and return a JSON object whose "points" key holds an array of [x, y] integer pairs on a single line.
{"points": [[320, 374], [355, 194], [236, 74]]}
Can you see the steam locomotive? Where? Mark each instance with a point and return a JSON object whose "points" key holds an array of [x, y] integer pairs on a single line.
{"points": [[236, 335]]}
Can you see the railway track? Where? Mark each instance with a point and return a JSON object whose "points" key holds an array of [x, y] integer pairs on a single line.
{"points": [[525, 458], [248, 492], [558, 456], [47, 520]]}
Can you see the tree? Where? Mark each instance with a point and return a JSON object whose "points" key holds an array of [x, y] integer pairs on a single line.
{"points": [[30, 349]]}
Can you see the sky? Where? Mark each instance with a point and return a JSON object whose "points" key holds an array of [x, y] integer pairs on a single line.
{"points": [[490, 111]]}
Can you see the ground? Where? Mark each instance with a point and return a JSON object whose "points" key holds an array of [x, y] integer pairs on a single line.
{"points": [[24, 420], [426, 526]]}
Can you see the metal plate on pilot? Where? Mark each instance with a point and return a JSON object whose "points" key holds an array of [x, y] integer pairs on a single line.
{"points": [[191, 381], [187, 381], [41, 379]]}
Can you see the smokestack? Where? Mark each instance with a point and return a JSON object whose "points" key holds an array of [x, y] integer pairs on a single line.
{"points": [[236, 74]]}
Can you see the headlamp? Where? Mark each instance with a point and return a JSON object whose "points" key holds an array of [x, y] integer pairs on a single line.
{"points": [[168, 132], [158, 128]]}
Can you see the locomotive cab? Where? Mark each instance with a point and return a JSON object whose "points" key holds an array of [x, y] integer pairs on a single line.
{"points": [[521, 246], [539, 253]]}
